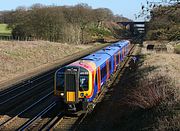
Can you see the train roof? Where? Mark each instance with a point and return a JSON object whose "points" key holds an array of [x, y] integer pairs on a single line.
{"points": [[120, 44], [102, 55]]}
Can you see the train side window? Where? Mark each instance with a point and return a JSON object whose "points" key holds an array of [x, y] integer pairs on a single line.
{"points": [[117, 59], [110, 65], [103, 72]]}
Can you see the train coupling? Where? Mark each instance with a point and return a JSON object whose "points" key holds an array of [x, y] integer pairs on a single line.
{"points": [[71, 108]]}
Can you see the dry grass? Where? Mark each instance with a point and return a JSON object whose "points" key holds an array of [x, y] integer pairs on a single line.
{"points": [[165, 63], [20, 57], [149, 92], [4, 30], [154, 104], [153, 94]]}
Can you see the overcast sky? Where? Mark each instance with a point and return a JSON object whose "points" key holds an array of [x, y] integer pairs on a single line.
{"points": [[127, 8]]}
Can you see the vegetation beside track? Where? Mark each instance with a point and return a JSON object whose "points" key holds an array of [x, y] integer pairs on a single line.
{"points": [[152, 95], [146, 97], [20, 57], [164, 23], [177, 49]]}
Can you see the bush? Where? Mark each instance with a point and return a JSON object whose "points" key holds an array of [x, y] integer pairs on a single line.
{"points": [[149, 93], [177, 49], [164, 23], [154, 105], [100, 32]]}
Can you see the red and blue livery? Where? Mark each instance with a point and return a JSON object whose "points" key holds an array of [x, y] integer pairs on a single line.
{"points": [[79, 83]]}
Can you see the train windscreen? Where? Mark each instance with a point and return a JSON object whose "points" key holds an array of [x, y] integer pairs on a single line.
{"points": [[83, 79], [83, 83], [60, 80]]}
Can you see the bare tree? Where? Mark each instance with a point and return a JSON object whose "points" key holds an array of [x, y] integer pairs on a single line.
{"points": [[146, 9]]}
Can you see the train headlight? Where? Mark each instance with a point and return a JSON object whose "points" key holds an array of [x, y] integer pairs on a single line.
{"points": [[82, 94], [62, 94]]}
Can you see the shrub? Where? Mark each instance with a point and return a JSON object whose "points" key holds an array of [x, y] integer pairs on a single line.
{"points": [[149, 93], [100, 32], [177, 49], [153, 105]]}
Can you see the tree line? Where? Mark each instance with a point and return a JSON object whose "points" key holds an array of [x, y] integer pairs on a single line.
{"points": [[70, 24], [164, 23]]}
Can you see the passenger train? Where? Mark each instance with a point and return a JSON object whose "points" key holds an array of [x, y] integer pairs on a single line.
{"points": [[80, 82]]}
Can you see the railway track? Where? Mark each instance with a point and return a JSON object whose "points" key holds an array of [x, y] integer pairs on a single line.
{"points": [[30, 125], [20, 100], [48, 71], [12, 95], [8, 96], [52, 117], [10, 103], [23, 86], [25, 115], [15, 89]]}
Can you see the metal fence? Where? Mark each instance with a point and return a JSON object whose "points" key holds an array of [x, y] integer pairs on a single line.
{"points": [[10, 38]]}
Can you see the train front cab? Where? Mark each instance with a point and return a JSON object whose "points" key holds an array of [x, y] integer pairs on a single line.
{"points": [[72, 85]]}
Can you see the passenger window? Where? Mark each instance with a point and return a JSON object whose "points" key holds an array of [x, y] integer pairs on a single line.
{"points": [[117, 59], [103, 72], [110, 65], [83, 83]]}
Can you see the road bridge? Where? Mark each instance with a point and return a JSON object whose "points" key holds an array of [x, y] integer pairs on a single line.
{"points": [[136, 28]]}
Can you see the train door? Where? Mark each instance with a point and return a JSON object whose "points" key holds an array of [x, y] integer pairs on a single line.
{"points": [[71, 87]]}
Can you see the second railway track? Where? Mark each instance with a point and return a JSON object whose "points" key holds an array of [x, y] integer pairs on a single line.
{"points": [[19, 118], [18, 101]]}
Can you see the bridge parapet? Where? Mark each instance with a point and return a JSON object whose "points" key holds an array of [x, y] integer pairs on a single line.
{"points": [[135, 27]]}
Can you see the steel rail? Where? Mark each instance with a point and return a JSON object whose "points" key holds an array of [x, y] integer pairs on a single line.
{"points": [[28, 82], [7, 92], [37, 117], [22, 93], [51, 68], [36, 78], [52, 122], [25, 110]]}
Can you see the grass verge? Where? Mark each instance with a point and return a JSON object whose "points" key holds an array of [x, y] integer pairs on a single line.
{"points": [[19, 57], [4, 31], [151, 98]]}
